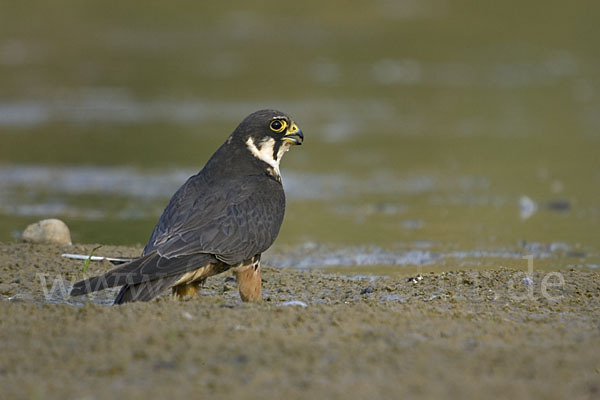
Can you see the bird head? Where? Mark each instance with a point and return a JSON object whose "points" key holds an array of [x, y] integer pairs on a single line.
{"points": [[268, 134]]}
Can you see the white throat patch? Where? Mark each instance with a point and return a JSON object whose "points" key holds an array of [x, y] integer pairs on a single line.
{"points": [[264, 152]]}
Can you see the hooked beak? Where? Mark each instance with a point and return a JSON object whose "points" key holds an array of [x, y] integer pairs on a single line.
{"points": [[294, 134]]}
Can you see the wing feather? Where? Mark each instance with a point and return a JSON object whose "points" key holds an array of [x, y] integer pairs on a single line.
{"points": [[232, 222]]}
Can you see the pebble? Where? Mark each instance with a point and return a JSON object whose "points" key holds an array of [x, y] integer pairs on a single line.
{"points": [[187, 315], [527, 207], [415, 279], [293, 303], [367, 290], [49, 231]]}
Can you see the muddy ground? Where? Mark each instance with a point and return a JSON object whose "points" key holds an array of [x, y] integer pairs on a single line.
{"points": [[462, 334]]}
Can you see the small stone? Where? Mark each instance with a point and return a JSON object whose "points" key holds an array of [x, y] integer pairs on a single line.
{"points": [[293, 303], [49, 231], [415, 279], [367, 290], [559, 205], [187, 315], [527, 281], [527, 207]]}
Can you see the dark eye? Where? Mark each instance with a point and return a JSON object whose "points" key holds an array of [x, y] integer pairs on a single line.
{"points": [[278, 125]]}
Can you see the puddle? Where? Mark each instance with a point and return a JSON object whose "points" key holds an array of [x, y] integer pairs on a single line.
{"points": [[24, 188]]}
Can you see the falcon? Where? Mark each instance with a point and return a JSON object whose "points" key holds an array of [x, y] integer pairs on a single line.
{"points": [[221, 219]]}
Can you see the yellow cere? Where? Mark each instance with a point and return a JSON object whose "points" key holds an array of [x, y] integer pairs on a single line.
{"points": [[293, 128]]}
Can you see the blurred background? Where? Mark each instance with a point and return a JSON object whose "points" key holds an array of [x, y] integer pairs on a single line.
{"points": [[438, 133]]}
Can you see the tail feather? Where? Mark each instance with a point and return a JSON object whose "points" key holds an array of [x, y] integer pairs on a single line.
{"points": [[91, 285], [144, 291], [126, 273], [144, 278]]}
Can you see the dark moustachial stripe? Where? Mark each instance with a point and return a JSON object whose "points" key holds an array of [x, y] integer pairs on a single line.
{"points": [[276, 147]]}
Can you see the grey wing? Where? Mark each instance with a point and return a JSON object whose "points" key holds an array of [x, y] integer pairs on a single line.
{"points": [[178, 209], [233, 223]]}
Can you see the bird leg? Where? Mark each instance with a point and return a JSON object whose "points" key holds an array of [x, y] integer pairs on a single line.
{"points": [[249, 283]]}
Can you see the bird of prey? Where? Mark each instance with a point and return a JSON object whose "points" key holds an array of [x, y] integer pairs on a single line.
{"points": [[221, 219]]}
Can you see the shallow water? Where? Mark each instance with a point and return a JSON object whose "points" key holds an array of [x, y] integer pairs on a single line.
{"points": [[438, 135]]}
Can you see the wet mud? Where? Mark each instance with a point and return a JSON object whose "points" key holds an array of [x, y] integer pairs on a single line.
{"points": [[455, 334]]}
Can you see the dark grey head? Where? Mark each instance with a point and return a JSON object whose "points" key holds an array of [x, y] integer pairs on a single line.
{"points": [[267, 135]]}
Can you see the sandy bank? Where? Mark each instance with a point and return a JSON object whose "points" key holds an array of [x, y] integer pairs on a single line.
{"points": [[452, 335]]}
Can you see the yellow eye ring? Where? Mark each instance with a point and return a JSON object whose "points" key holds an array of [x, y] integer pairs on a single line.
{"points": [[278, 125]]}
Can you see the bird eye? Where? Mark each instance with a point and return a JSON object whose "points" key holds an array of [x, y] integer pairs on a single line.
{"points": [[278, 125]]}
